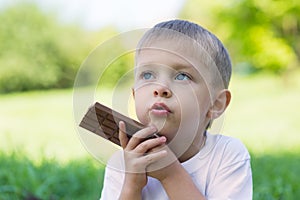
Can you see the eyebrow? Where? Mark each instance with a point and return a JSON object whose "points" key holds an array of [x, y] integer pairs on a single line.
{"points": [[178, 66], [175, 66], [185, 66]]}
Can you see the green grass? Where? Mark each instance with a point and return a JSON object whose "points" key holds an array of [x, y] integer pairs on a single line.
{"points": [[39, 124], [264, 113], [22, 178], [42, 154], [276, 176]]}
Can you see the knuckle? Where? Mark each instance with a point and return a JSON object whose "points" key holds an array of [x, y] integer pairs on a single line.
{"points": [[149, 159], [144, 145], [135, 164]]}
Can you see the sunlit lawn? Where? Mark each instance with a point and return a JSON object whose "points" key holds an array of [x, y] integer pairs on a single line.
{"points": [[40, 125], [265, 113]]}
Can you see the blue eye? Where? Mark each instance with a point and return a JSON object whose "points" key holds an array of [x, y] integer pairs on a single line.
{"points": [[147, 75], [182, 77]]}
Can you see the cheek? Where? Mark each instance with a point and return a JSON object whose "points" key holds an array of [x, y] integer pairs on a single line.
{"points": [[140, 107], [193, 104]]}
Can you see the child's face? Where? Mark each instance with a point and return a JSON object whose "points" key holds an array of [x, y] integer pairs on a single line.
{"points": [[170, 93]]}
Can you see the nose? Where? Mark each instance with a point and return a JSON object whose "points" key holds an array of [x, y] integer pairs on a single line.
{"points": [[162, 91]]}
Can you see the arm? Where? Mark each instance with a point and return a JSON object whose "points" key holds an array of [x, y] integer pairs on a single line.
{"points": [[177, 183], [186, 189], [130, 188], [136, 160]]}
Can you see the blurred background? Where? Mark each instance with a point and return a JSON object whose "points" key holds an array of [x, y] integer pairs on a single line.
{"points": [[43, 44]]}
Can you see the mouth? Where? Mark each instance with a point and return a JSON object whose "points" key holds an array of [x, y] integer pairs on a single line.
{"points": [[160, 109]]}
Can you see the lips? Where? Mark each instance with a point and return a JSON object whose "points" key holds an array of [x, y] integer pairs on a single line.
{"points": [[160, 109]]}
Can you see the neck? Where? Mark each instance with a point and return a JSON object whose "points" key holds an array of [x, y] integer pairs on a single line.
{"points": [[193, 149]]}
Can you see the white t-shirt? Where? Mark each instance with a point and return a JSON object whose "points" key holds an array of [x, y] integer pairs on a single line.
{"points": [[221, 170]]}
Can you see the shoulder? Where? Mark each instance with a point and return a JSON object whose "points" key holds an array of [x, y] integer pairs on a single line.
{"points": [[232, 145], [229, 168], [233, 151], [229, 150]]}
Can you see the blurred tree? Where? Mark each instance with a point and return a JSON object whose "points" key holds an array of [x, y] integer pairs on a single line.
{"points": [[111, 60], [37, 52], [261, 34]]}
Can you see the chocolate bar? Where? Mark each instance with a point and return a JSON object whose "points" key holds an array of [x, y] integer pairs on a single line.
{"points": [[104, 122]]}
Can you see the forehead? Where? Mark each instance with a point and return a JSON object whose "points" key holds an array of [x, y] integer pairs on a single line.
{"points": [[167, 53], [180, 53]]}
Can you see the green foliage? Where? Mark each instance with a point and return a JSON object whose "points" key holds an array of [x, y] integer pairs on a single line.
{"points": [[106, 65], [21, 178], [37, 52], [262, 35], [118, 70], [276, 176]]}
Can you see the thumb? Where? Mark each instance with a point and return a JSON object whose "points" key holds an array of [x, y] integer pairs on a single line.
{"points": [[122, 134]]}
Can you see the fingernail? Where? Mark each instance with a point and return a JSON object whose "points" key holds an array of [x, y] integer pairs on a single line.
{"points": [[163, 139]]}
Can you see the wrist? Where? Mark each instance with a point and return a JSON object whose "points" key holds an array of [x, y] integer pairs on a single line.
{"points": [[174, 171], [180, 185], [130, 193], [133, 184]]}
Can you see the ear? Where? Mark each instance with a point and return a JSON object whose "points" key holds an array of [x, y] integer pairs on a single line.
{"points": [[133, 92], [220, 104]]}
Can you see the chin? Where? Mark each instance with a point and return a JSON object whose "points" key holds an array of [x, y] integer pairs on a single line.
{"points": [[169, 133]]}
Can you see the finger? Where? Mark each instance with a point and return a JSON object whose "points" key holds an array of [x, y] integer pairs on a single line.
{"points": [[142, 162], [153, 157], [140, 136], [164, 161], [150, 144], [122, 134]]}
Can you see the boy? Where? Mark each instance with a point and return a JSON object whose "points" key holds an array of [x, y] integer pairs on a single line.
{"points": [[182, 74]]}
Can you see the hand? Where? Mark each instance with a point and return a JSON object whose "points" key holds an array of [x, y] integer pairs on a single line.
{"points": [[138, 154], [165, 167]]}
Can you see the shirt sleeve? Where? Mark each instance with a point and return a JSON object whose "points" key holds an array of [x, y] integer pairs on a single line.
{"points": [[113, 179], [233, 179], [112, 185]]}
